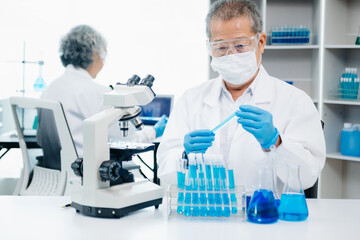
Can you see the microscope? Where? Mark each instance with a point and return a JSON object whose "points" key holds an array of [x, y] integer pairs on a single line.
{"points": [[108, 190]]}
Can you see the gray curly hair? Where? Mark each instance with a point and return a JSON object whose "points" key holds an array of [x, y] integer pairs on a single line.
{"points": [[229, 9], [79, 46]]}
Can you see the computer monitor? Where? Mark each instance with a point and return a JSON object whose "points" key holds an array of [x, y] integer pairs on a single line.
{"points": [[160, 105]]}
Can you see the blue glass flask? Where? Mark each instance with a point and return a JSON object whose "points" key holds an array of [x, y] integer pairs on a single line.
{"points": [[293, 204], [262, 206]]}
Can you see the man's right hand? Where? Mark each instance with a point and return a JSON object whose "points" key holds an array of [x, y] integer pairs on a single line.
{"points": [[198, 141]]}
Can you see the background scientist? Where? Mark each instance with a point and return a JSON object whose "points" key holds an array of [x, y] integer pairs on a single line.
{"points": [[82, 53], [269, 111]]}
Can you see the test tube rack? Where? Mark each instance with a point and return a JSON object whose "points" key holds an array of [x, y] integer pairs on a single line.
{"points": [[207, 211], [290, 35]]}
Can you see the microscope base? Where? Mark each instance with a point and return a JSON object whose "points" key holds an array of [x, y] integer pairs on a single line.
{"points": [[113, 212], [119, 200]]}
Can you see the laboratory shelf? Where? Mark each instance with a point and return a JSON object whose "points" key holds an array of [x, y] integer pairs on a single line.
{"points": [[339, 156], [291, 47], [342, 46], [342, 102]]}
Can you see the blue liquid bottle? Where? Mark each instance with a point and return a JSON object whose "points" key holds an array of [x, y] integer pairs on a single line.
{"points": [[293, 204], [262, 207]]}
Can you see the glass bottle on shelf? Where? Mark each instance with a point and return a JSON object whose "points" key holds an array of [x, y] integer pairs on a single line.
{"points": [[357, 41]]}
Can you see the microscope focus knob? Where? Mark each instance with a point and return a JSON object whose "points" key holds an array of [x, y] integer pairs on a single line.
{"points": [[77, 167], [110, 170]]}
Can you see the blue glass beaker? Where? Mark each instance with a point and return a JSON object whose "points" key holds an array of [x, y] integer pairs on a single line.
{"points": [[293, 204], [262, 207]]}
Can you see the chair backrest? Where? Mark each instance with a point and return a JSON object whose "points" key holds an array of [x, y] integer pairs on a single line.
{"points": [[46, 181]]}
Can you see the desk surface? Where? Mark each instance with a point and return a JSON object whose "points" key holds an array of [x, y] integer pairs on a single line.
{"points": [[43, 218]]}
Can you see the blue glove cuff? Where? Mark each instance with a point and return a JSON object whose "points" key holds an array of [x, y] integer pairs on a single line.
{"points": [[272, 141]]}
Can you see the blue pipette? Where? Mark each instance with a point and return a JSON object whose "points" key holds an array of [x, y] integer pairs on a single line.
{"points": [[223, 123]]}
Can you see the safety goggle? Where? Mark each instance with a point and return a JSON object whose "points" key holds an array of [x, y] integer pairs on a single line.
{"points": [[237, 45]]}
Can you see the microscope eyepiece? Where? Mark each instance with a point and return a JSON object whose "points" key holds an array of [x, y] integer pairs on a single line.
{"points": [[135, 79], [148, 80]]}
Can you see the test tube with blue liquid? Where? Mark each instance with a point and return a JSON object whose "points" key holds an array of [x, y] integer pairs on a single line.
{"points": [[181, 167], [194, 184], [188, 188], [202, 185], [232, 188], [224, 187], [218, 199], [209, 184]]}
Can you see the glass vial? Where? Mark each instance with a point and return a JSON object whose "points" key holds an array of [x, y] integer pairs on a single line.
{"points": [[293, 204]]}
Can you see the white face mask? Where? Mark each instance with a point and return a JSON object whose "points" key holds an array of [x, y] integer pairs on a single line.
{"points": [[237, 68]]}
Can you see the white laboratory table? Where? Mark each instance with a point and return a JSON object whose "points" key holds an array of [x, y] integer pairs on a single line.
{"points": [[43, 218]]}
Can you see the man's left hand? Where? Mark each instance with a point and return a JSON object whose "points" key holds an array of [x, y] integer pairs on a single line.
{"points": [[259, 123]]}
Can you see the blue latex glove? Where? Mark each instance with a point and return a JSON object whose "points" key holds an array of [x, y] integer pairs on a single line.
{"points": [[160, 126], [198, 141], [259, 123]]}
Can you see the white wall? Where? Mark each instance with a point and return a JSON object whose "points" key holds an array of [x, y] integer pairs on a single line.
{"points": [[165, 38]]}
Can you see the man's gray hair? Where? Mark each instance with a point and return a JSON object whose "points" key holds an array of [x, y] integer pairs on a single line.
{"points": [[79, 46], [229, 9]]}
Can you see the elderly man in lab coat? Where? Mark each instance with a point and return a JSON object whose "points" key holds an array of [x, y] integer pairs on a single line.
{"points": [[269, 112]]}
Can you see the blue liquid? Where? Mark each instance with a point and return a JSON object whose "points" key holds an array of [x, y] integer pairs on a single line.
{"points": [[181, 186], [187, 210], [226, 201], [208, 177], [262, 207], [218, 202], [211, 203], [293, 207], [216, 172], [232, 187]]}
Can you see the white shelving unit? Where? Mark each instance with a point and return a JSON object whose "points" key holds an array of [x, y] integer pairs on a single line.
{"points": [[316, 69]]}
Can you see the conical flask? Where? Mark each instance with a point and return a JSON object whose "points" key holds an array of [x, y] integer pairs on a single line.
{"points": [[39, 84], [262, 207], [293, 204]]}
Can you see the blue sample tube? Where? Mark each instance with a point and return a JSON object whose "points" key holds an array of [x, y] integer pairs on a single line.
{"points": [[232, 191], [224, 190], [209, 187], [218, 200], [187, 208], [194, 185], [202, 188], [293, 207], [181, 184]]}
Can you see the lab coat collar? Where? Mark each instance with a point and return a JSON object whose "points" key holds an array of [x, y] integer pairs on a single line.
{"points": [[260, 88], [79, 71]]}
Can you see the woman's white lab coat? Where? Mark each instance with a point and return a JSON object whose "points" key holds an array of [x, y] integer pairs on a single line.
{"points": [[81, 98], [294, 115]]}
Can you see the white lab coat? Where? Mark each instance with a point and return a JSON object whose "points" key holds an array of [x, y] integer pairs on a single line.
{"points": [[294, 115], [81, 98]]}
